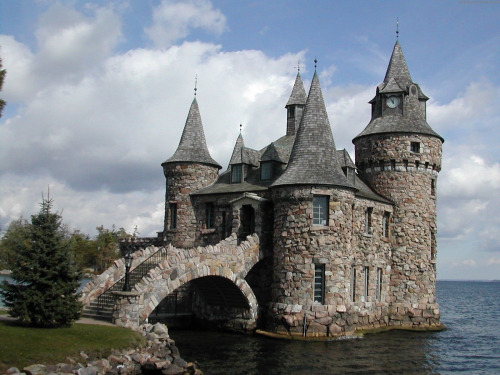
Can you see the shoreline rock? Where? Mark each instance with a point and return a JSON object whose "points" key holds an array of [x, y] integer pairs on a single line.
{"points": [[159, 356]]}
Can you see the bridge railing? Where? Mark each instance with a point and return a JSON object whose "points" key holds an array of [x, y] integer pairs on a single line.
{"points": [[107, 299]]}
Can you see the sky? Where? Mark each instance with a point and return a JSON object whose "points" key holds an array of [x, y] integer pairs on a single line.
{"points": [[98, 93]]}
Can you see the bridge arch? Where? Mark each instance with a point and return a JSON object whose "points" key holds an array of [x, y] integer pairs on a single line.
{"points": [[231, 263]]}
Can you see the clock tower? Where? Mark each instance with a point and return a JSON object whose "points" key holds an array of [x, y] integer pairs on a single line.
{"points": [[399, 154]]}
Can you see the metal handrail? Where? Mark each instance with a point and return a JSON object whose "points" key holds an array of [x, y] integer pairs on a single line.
{"points": [[107, 299]]}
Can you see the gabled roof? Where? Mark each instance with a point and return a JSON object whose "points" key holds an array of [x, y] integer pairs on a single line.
{"points": [[313, 159], [244, 155], [193, 145], [298, 95]]}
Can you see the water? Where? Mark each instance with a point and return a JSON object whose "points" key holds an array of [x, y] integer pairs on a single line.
{"points": [[470, 345], [9, 279]]}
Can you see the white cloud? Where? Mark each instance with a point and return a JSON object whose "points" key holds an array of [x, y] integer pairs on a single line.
{"points": [[493, 261], [173, 19]]}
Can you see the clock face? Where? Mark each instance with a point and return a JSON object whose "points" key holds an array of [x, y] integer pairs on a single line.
{"points": [[392, 101]]}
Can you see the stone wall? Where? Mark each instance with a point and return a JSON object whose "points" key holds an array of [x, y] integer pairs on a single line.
{"points": [[182, 179], [226, 259], [342, 246], [410, 180]]}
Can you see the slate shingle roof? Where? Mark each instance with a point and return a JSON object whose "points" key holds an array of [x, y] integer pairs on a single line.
{"points": [[398, 79], [298, 95], [313, 159], [244, 155], [193, 145]]}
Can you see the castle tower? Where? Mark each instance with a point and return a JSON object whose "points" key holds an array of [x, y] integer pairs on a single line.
{"points": [[188, 170], [295, 106], [400, 156], [308, 198]]}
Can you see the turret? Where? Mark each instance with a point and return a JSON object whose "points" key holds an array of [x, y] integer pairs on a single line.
{"points": [[191, 168], [399, 155], [308, 198], [295, 106]]}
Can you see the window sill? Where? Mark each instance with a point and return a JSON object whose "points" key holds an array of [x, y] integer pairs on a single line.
{"points": [[208, 231], [369, 235], [319, 227]]}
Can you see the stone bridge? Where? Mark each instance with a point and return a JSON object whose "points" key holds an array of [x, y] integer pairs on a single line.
{"points": [[217, 271]]}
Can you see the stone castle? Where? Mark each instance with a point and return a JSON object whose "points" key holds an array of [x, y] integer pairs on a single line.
{"points": [[344, 245]]}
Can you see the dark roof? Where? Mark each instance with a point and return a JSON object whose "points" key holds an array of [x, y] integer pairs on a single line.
{"points": [[345, 159], [398, 69], [313, 158], [397, 123], [398, 79], [244, 155], [278, 150], [298, 95], [193, 145]]}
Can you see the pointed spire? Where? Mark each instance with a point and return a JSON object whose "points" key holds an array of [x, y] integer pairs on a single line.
{"points": [[313, 160], [236, 157], [398, 69], [298, 95], [193, 146]]}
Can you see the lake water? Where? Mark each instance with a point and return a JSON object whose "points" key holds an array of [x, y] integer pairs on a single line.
{"points": [[470, 345], [4, 277]]}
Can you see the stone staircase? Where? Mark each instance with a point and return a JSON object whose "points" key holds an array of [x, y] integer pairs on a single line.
{"points": [[102, 307]]}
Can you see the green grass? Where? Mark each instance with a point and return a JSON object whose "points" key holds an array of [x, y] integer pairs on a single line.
{"points": [[23, 346]]}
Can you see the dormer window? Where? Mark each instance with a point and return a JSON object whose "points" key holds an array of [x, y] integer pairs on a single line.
{"points": [[415, 147], [291, 111], [266, 171], [236, 173]]}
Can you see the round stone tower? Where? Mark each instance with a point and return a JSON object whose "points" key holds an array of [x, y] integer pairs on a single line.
{"points": [[311, 200], [400, 156], [191, 168]]}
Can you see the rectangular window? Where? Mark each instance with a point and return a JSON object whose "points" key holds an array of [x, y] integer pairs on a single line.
{"points": [[236, 173], [209, 215], [433, 245], [393, 165], [433, 187], [173, 215], [379, 283], [353, 283], [319, 283], [385, 224], [415, 147], [320, 210], [367, 282], [382, 165], [368, 220], [266, 171]]}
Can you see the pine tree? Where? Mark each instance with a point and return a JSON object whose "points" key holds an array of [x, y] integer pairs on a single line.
{"points": [[46, 278]]}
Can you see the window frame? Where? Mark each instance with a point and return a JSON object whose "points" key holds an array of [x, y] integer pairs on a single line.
{"points": [[415, 147], [209, 215], [320, 218], [267, 167], [319, 283], [385, 224], [367, 282], [236, 173], [369, 221], [379, 284], [173, 215], [353, 283]]}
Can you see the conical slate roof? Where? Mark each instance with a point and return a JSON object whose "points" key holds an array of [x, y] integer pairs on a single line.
{"points": [[193, 145], [313, 160], [298, 95], [398, 79], [398, 69]]}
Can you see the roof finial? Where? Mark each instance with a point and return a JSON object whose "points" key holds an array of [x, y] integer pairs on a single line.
{"points": [[240, 128], [315, 63], [195, 84], [298, 66], [397, 28]]}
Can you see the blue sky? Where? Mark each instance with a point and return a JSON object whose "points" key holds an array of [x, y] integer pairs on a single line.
{"points": [[98, 93]]}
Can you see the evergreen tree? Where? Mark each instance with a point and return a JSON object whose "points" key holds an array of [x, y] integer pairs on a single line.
{"points": [[46, 278]]}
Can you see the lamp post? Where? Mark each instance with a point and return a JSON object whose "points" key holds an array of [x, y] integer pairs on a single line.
{"points": [[128, 264]]}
